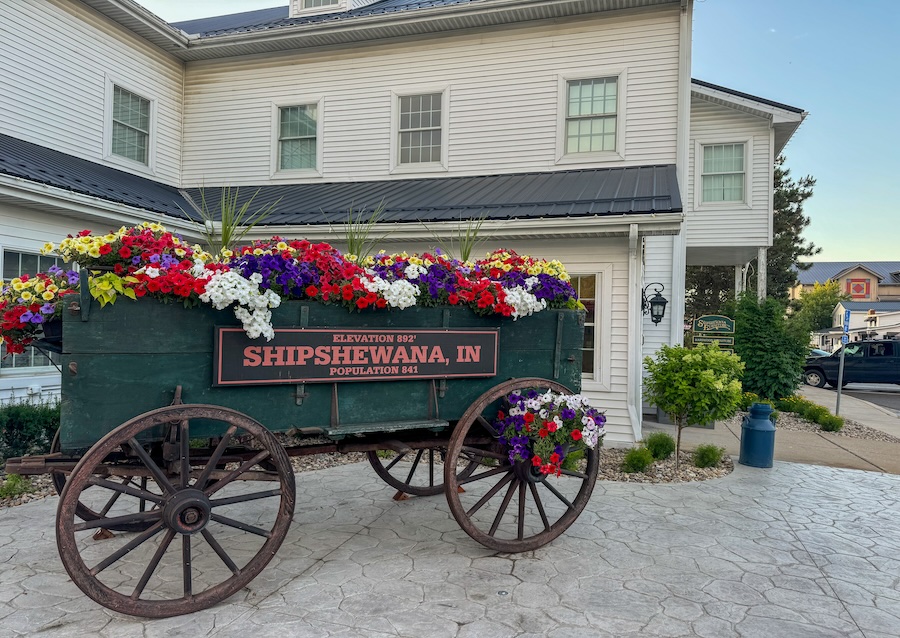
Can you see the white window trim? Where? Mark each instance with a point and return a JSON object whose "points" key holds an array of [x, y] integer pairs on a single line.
{"points": [[274, 171], [300, 10], [601, 380], [421, 167], [699, 204], [150, 167], [562, 104]]}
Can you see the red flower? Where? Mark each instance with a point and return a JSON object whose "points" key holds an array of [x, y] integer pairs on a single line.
{"points": [[551, 425], [453, 298], [576, 434], [311, 291], [536, 461], [125, 252], [529, 417], [542, 432], [362, 302], [105, 249], [554, 458]]}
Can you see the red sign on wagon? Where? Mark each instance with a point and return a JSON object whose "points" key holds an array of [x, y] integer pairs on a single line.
{"points": [[327, 355]]}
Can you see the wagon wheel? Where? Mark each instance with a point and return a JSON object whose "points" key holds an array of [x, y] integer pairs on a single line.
{"points": [[141, 574], [85, 513], [418, 472], [542, 507]]}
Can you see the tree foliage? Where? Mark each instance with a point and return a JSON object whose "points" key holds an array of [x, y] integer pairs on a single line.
{"points": [[693, 385], [772, 348], [710, 288], [815, 307]]}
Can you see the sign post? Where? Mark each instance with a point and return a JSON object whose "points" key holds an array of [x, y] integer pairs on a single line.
{"points": [[845, 339]]}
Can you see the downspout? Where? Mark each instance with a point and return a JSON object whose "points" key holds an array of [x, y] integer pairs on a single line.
{"points": [[682, 144], [635, 334]]}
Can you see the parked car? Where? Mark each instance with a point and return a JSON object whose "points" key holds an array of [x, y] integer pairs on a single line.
{"points": [[875, 361]]}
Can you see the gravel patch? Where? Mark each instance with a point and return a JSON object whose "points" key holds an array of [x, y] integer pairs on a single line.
{"points": [[852, 429], [660, 471]]}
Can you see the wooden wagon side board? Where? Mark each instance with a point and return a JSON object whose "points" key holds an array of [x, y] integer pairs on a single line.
{"points": [[128, 358]]}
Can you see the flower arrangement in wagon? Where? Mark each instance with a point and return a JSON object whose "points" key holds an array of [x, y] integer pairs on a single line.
{"points": [[29, 302], [254, 279], [546, 428]]}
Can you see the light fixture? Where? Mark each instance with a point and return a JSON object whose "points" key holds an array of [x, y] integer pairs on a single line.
{"points": [[655, 306]]}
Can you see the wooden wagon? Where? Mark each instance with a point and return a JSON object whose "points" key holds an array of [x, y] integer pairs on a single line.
{"points": [[163, 461]]}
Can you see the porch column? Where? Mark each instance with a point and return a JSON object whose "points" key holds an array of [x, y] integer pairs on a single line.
{"points": [[761, 273], [738, 280]]}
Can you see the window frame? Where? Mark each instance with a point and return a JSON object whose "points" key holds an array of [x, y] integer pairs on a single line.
{"points": [[420, 167], [562, 115], [150, 167], [299, 8], [600, 379], [275, 170], [30, 370], [746, 202]]}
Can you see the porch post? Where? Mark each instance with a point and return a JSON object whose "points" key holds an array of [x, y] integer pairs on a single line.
{"points": [[738, 280], [761, 274]]}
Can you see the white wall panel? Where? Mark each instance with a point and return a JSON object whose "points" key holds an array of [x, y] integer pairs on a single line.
{"points": [[56, 57]]}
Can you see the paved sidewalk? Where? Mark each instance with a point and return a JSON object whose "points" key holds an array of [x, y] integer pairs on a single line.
{"points": [[798, 551], [821, 448]]}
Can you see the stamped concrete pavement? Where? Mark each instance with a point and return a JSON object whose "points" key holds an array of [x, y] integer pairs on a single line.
{"points": [[793, 551]]}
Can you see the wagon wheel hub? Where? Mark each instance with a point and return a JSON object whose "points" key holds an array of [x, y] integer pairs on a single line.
{"points": [[528, 473], [187, 511]]}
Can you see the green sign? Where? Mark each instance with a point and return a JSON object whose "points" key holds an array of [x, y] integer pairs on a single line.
{"points": [[714, 324], [723, 341]]}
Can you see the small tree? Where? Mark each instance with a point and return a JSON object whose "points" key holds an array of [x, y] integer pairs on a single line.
{"points": [[772, 348], [693, 385], [816, 307]]}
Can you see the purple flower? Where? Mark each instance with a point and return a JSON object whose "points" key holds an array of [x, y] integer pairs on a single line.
{"points": [[567, 414], [48, 309], [54, 270], [37, 318], [26, 316]]}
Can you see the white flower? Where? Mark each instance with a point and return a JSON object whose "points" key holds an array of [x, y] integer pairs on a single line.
{"points": [[150, 271], [251, 304], [523, 302], [413, 271], [401, 294]]}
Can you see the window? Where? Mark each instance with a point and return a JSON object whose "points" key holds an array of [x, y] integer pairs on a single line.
{"points": [[586, 287], [130, 126], [723, 173], [419, 129], [314, 4], [591, 112], [297, 130], [16, 263]]}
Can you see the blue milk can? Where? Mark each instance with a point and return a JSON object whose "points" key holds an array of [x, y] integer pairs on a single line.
{"points": [[758, 436]]}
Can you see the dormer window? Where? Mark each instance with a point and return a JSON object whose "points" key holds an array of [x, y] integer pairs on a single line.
{"points": [[316, 7], [315, 4]]}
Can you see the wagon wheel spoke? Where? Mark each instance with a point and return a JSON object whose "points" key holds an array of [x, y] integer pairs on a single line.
{"points": [[558, 495], [123, 488], [422, 475], [231, 476], [119, 553], [153, 564], [415, 464], [151, 465], [484, 509], [184, 433], [244, 527], [243, 498], [118, 520], [502, 510], [186, 563], [430, 467], [158, 579], [540, 506], [220, 552], [484, 499], [215, 457], [396, 460]]}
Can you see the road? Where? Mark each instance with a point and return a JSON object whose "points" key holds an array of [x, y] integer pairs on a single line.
{"points": [[883, 394]]}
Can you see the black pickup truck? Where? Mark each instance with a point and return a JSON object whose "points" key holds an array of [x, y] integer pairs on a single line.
{"points": [[876, 361]]}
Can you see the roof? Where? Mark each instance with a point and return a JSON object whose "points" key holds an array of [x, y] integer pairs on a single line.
{"points": [[822, 271], [577, 193], [877, 306], [47, 166], [267, 30], [746, 96]]}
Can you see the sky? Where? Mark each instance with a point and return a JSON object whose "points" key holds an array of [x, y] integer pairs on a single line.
{"points": [[838, 60]]}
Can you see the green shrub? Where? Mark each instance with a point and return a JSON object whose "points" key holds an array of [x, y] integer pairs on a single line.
{"points": [[748, 399], [708, 455], [660, 444], [14, 485], [637, 460], [832, 423], [572, 459], [27, 428]]}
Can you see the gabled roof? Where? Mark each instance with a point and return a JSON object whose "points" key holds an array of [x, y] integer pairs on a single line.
{"points": [[234, 21], [877, 306], [785, 119], [605, 192], [46, 166], [254, 32], [822, 271]]}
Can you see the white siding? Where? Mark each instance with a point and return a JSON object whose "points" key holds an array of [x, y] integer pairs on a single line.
{"points": [[503, 93], [56, 58], [658, 268], [729, 225]]}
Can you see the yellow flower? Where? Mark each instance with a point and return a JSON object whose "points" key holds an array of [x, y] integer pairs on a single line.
{"points": [[17, 285], [39, 286], [48, 248], [281, 246], [181, 252], [47, 296], [27, 296], [94, 252]]}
